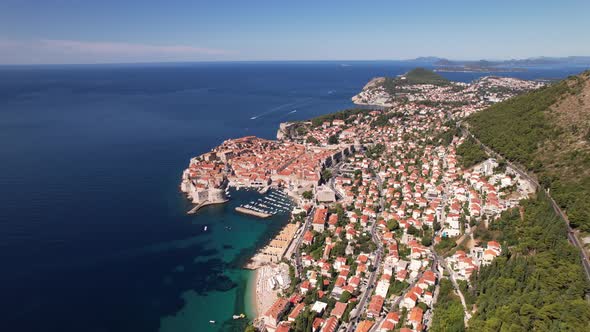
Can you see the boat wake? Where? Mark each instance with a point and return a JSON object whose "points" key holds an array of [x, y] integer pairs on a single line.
{"points": [[283, 106]]}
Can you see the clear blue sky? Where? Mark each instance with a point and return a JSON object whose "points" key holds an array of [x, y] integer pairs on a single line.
{"points": [[77, 31]]}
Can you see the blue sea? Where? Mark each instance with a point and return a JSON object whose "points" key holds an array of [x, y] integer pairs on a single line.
{"points": [[94, 234]]}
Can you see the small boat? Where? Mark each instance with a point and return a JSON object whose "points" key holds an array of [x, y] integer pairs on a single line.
{"points": [[212, 321], [240, 316], [205, 229]]}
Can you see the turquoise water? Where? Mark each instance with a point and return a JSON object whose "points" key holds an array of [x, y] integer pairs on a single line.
{"points": [[94, 234], [229, 237]]}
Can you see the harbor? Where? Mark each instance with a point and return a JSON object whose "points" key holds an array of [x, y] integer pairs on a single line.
{"points": [[272, 203], [252, 212]]}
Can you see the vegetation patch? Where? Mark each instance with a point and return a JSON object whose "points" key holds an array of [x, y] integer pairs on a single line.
{"points": [[448, 311], [470, 153], [538, 283]]}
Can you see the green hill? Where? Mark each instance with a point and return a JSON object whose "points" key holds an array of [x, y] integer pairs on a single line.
{"points": [[424, 76], [538, 283], [395, 85], [548, 132]]}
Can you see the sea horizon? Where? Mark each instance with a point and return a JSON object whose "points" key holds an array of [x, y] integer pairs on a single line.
{"points": [[415, 61], [96, 235]]}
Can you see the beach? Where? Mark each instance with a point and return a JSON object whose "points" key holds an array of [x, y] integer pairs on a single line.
{"points": [[264, 295]]}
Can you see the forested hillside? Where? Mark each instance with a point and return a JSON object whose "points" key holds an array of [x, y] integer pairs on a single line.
{"points": [[548, 132], [538, 284], [448, 312], [470, 153]]}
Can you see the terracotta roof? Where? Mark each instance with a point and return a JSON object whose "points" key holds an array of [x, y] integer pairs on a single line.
{"points": [[339, 309], [283, 327], [277, 308], [364, 326], [330, 325], [416, 315]]}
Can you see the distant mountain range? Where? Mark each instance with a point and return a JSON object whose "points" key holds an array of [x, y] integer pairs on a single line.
{"points": [[443, 64]]}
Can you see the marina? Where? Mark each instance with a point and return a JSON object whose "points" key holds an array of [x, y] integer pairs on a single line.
{"points": [[273, 203]]}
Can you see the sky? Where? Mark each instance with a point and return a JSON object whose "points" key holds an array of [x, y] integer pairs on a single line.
{"points": [[106, 31]]}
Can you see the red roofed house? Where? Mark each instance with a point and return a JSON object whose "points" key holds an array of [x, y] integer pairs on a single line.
{"points": [[375, 306], [274, 314], [338, 310], [305, 287], [319, 220], [317, 322], [298, 309], [409, 300], [283, 327], [415, 316], [308, 238], [364, 326], [330, 325]]}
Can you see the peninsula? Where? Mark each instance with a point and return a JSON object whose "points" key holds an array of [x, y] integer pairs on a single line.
{"points": [[401, 215]]}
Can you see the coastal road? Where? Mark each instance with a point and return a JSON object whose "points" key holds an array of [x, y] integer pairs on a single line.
{"points": [[573, 239]]}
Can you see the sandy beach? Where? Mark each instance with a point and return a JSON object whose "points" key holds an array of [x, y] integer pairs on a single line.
{"points": [[264, 294]]}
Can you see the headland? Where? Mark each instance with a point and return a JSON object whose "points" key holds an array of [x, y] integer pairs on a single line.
{"points": [[376, 190]]}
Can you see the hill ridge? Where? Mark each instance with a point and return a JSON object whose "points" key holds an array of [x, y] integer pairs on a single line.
{"points": [[548, 132]]}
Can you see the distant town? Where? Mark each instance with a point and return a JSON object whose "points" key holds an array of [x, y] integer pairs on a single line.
{"points": [[385, 215]]}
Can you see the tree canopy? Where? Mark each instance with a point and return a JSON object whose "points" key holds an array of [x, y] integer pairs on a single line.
{"points": [[529, 131], [538, 283]]}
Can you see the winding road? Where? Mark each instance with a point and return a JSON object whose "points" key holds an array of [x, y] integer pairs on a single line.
{"points": [[570, 232]]}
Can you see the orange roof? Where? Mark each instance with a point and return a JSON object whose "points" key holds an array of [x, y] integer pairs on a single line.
{"points": [[490, 252], [283, 327], [388, 325], [320, 216], [394, 316], [376, 304], [333, 219], [364, 326], [416, 315], [277, 308], [339, 309], [296, 311], [330, 325], [317, 322], [493, 244]]}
